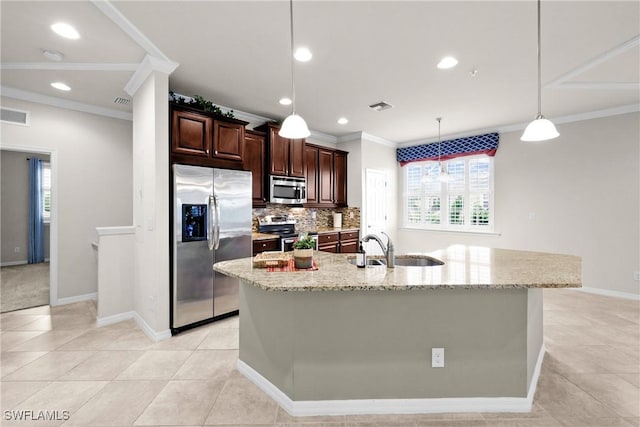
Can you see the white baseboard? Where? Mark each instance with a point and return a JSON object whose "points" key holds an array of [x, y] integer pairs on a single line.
{"points": [[77, 298], [12, 263], [391, 406], [608, 293], [121, 317], [149, 331], [536, 375], [116, 318]]}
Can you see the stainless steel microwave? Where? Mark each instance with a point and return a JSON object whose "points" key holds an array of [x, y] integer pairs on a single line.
{"points": [[287, 190]]}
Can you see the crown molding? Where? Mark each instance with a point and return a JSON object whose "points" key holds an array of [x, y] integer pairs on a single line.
{"points": [[148, 65], [607, 112], [24, 95], [323, 137], [111, 12], [378, 140], [69, 66], [562, 81]]}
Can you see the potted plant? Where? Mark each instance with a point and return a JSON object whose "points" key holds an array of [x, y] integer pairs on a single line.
{"points": [[303, 251]]}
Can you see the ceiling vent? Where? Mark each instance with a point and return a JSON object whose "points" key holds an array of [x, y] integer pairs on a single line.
{"points": [[380, 106], [121, 101], [15, 117]]}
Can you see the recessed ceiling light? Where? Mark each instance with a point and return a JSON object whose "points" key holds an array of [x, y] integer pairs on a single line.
{"points": [[343, 121], [447, 62], [52, 55], [60, 86], [285, 101], [303, 54], [65, 30]]}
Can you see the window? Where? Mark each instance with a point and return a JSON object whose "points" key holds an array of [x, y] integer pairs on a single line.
{"points": [[46, 191], [465, 203]]}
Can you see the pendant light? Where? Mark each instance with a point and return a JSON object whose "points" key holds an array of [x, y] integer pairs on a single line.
{"points": [[294, 126], [443, 176], [540, 129]]}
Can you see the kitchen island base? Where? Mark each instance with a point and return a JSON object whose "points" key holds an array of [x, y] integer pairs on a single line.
{"points": [[369, 352]]}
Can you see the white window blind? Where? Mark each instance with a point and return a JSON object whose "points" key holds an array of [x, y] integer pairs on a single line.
{"points": [[465, 202]]}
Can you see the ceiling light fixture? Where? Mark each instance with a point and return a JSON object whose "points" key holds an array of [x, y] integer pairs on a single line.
{"points": [[540, 129], [443, 176], [343, 121], [60, 86], [303, 54], [52, 55], [285, 101], [294, 126], [447, 62], [65, 30]]}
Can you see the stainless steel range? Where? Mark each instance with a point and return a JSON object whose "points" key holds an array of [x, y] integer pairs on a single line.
{"points": [[283, 226]]}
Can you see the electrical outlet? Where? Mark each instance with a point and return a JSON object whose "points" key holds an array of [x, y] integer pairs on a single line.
{"points": [[350, 215], [16, 250], [313, 214], [437, 357], [636, 275]]}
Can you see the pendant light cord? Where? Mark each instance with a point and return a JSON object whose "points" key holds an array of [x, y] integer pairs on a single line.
{"points": [[539, 66], [293, 84], [438, 120]]}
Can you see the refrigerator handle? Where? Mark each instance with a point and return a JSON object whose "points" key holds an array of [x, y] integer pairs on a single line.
{"points": [[210, 239], [216, 205]]}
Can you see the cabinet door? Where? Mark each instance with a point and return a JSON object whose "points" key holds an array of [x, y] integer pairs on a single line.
{"points": [[228, 141], [278, 153], [325, 176], [260, 246], [340, 176], [311, 168], [331, 247], [296, 157], [349, 247], [191, 134], [254, 160]]}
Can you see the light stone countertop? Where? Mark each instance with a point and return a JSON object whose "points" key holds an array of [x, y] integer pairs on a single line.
{"points": [[263, 236], [467, 267]]}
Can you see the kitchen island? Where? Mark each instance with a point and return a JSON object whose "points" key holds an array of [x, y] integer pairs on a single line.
{"points": [[344, 340]]}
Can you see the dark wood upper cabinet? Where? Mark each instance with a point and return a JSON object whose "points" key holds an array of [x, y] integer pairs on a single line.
{"points": [[325, 176], [311, 172], [340, 178], [228, 140], [296, 157], [255, 161], [326, 173], [202, 139], [285, 156], [191, 134]]}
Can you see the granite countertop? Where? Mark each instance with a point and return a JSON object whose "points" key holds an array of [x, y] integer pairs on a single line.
{"points": [[263, 236], [465, 267]]}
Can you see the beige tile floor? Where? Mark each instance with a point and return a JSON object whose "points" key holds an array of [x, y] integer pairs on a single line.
{"points": [[56, 359]]}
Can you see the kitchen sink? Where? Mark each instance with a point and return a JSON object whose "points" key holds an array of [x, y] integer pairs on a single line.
{"points": [[417, 261], [370, 261], [404, 261]]}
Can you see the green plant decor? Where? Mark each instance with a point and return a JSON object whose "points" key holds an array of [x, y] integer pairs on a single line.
{"points": [[201, 103], [305, 242]]}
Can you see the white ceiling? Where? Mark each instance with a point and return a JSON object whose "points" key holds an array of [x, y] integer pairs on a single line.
{"points": [[236, 54]]}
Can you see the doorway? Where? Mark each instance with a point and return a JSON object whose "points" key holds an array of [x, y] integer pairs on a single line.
{"points": [[375, 217], [27, 280]]}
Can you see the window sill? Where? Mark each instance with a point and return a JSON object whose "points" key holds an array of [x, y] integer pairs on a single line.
{"points": [[438, 230]]}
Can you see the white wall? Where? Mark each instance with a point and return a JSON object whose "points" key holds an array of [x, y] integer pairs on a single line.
{"points": [[584, 190], [94, 176], [14, 199]]}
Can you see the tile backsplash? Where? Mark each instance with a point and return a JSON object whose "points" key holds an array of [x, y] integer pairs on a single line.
{"points": [[304, 216]]}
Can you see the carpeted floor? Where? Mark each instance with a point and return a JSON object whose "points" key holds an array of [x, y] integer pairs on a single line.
{"points": [[24, 286]]}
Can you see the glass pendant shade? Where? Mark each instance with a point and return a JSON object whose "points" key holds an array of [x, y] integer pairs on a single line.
{"points": [[444, 175], [540, 129], [294, 127]]}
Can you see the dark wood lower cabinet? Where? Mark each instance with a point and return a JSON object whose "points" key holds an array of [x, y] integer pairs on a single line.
{"points": [[339, 242], [263, 245]]}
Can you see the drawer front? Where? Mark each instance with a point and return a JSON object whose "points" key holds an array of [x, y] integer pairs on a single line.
{"points": [[328, 238], [349, 235], [265, 245], [331, 247]]}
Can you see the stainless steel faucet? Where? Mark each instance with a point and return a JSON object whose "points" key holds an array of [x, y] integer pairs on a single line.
{"points": [[388, 250]]}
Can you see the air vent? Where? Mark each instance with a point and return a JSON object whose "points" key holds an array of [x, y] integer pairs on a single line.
{"points": [[15, 117], [121, 101], [380, 106]]}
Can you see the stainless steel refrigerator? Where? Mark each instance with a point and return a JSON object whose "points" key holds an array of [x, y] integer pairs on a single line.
{"points": [[211, 223]]}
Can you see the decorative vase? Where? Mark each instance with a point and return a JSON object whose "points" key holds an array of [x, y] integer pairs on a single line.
{"points": [[303, 258]]}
